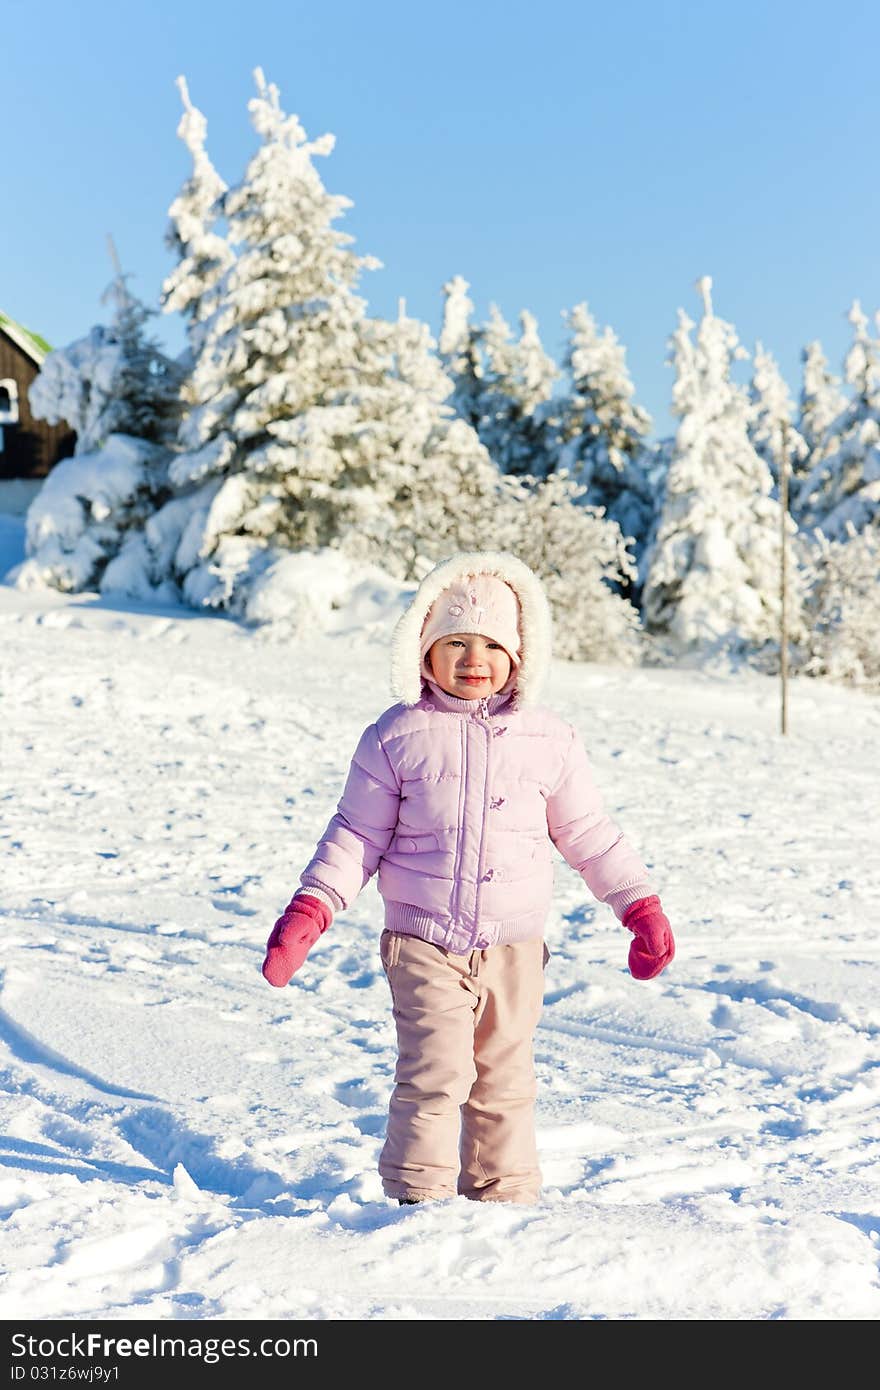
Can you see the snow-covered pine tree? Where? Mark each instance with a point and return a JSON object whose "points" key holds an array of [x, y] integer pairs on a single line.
{"points": [[842, 607], [713, 574], [515, 405], [84, 513], [821, 403], [166, 546], [459, 347], [418, 483], [602, 436], [655, 462], [144, 395], [202, 254], [153, 557], [583, 562], [115, 380], [535, 370], [502, 386], [771, 417], [119, 391], [842, 490], [276, 384]]}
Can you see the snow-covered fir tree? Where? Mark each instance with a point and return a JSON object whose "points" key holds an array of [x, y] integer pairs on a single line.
{"points": [[76, 383], [115, 380], [85, 511], [821, 403], [119, 392], [459, 348], [842, 607], [276, 415], [713, 573], [535, 372], [583, 562], [602, 435], [203, 255], [419, 484], [146, 384], [502, 386], [771, 418], [515, 413], [842, 490], [655, 463]]}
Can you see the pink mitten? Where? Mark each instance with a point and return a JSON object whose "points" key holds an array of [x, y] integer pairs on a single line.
{"points": [[293, 936], [653, 946]]}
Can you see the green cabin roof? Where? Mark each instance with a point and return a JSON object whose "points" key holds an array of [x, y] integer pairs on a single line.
{"points": [[31, 342]]}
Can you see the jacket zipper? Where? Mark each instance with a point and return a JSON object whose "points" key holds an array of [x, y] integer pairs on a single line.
{"points": [[481, 858], [456, 896]]}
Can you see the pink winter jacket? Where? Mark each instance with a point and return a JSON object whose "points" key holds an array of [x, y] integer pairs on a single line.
{"points": [[458, 804]]}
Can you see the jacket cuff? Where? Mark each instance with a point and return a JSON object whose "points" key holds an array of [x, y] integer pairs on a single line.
{"points": [[322, 894], [622, 898]]}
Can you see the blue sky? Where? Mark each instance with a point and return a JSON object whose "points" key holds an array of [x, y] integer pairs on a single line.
{"points": [[549, 153]]}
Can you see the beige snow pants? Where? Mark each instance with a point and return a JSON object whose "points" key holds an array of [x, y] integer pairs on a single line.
{"points": [[461, 1116]]}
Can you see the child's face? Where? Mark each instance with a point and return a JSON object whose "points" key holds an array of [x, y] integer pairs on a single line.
{"points": [[469, 665]]}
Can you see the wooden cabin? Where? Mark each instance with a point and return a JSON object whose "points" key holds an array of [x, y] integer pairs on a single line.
{"points": [[29, 448]]}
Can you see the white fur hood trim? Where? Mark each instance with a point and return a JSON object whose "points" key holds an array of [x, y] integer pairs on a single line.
{"points": [[536, 622]]}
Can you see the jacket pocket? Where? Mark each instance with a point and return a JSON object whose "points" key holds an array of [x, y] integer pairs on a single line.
{"points": [[518, 855], [389, 949], [416, 843]]}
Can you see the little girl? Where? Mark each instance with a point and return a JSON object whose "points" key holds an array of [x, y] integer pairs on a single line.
{"points": [[457, 795]]}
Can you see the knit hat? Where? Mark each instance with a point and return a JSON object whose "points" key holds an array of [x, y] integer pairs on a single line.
{"points": [[479, 603], [534, 625]]}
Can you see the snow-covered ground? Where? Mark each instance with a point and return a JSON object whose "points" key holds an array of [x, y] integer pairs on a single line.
{"points": [[182, 1141]]}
